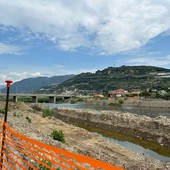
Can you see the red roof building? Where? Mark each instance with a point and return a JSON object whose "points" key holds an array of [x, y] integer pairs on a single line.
{"points": [[117, 93]]}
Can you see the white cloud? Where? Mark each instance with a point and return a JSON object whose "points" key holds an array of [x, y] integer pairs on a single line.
{"points": [[17, 76], [159, 61], [54, 71], [108, 26], [36, 74], [9, 49]]}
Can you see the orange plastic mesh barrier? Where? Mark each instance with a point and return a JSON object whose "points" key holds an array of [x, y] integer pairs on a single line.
{"points": [[1, 125], [20, 152]]}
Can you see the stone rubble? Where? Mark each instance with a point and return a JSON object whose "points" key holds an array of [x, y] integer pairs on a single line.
{"points": [[83, 142]]}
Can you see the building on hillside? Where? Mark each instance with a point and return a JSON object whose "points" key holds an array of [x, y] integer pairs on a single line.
{"points": [[123, 93], [99, 95], [117, 93]]}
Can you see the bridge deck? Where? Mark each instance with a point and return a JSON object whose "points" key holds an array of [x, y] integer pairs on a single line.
{"points": [[39, 95]]}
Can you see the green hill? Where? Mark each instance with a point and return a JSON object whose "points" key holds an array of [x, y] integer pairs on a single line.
{"points": [[111, 78]]}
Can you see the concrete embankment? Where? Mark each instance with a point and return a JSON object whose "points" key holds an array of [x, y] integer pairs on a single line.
{"points": [[152, 129]]}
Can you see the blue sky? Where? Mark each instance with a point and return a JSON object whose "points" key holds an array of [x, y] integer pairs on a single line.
{"points": [[58, 37]]}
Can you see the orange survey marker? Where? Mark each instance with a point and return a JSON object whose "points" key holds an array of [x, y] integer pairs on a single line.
{"points": [[20, 152]]}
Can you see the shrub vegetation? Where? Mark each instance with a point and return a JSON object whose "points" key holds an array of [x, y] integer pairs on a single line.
{"points": [[36, 107], [29, 119], [58, 135], [47, 112]]}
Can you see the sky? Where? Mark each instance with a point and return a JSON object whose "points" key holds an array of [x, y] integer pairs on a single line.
{"points": [[59, 37]]}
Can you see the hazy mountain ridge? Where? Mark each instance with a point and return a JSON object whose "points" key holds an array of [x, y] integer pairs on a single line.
{"points": [[31, 85]]}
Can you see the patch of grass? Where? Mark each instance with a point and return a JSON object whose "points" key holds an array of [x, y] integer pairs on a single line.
{"points": [[113, 104], [29, 119], [48, 163], [17, 114], [59, 100], [79, 151], [36, 107], [25, 99], [43, 100], [120, 101], [47, 112], [79, 99], [43, 167], [2, 111], [76, 99], [117, 102], [72, 101], [58, 135]]}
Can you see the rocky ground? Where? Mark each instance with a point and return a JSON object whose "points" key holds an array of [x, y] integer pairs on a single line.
{"points": [[149, 103], [155, 103], [78, 140]]}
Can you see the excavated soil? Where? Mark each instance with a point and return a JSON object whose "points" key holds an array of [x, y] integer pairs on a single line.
{"points": [[79, 140], [141, 126]]}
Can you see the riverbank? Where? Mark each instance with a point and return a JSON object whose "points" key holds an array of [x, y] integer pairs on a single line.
{"points": [[150, 103], [77, 139], [152, 129]]}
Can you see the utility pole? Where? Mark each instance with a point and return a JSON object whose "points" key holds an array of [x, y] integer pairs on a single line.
{"points": [[5, 120]]}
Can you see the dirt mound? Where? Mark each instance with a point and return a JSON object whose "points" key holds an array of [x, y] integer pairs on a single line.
{"points": [[81, 141], [2, 105], [152, 129], [86, 143], [22, 106]]}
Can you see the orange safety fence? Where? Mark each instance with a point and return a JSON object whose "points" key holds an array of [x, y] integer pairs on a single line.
{"points": [[1, 128], [20, 152]]}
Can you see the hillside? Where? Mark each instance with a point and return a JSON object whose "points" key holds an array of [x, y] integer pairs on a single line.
{"points": [[31, 85], [111, 78]]}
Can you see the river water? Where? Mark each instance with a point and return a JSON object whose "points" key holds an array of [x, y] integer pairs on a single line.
{"points": [[152, 112], [148, 148]]}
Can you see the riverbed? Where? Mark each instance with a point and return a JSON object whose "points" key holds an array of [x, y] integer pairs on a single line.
{"points": [[146, 147]]}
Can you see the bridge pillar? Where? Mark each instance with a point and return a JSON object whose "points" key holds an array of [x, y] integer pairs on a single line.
{"points": [[52, 99], [15, 99], [34, 99]]}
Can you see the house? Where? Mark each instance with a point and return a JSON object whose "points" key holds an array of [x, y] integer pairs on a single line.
{"points": [[117, 93], [99, 95]]}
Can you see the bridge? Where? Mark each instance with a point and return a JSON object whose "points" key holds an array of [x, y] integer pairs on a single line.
{"points": [[52, 97]]}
